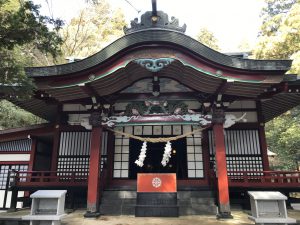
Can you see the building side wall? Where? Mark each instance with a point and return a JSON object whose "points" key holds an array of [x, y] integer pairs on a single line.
{"points": [[14, 155]]}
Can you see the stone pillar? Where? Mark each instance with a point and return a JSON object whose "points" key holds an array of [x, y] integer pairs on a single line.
{"points": [[93, 194], [221, 166]]}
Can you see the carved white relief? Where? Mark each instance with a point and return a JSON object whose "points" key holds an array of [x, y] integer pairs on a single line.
{"points": [[230, 120], [202, 120]]}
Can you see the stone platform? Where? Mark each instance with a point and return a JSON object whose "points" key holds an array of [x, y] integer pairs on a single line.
{"points": [[116, 202]]}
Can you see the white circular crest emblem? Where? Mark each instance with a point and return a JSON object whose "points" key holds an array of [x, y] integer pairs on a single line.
{"points": [[156, 182]]}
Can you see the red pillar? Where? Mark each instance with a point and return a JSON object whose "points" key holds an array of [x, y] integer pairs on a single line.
{"points": [[32, 154], [55, 148], [93, 194], [262, 137], [31, 162], [264, 147], [221, 165]]}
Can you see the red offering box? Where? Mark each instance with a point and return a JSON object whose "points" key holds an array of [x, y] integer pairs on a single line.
{"points": [[156, 182]]}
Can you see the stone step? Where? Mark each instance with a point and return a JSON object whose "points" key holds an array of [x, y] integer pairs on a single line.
{"points": [[195, 194], [117, 209], [203, 201], [119, 194], [156, 199], [156, 211], [197, 209]]}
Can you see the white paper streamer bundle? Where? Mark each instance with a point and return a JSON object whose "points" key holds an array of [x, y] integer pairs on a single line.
{"points": [[142, 156], [167, 154]]}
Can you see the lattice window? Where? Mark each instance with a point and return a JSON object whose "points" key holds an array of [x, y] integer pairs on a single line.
{"points": [[80, 165], [4, 173], [242, 150], [74, 152], [23, 145], [121, 156], [194, 154]]}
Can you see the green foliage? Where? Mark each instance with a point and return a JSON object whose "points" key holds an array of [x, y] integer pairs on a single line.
{"points": [[12, 116], [283, 138], [280, 39], [22, 30], [280, 32], [273, 14], [21, 25], [94, 28], [207, 37], [26, 25]]}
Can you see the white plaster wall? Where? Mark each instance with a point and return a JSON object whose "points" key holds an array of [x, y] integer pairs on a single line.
{"points": [[243, 105], [74, 107], [2, 192], [14, 157]]}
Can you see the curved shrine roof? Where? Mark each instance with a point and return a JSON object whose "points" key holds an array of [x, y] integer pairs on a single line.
{"points": [[158, 46], [160, 37]]}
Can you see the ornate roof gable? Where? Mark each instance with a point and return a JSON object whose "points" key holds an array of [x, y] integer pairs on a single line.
{"points": [[158, 21]]}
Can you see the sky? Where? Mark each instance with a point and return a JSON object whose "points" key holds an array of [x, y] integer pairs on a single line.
{"points": [[231, 21]]}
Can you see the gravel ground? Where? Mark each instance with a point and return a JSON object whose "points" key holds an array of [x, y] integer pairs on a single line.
{"points": [[76, 218], [239, 217]]}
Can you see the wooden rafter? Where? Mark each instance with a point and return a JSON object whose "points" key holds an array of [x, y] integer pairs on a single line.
{"points": [[87, 89], [220, 91]]}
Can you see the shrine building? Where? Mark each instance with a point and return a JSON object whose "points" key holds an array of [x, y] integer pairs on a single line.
{"points": [[155, 101]]}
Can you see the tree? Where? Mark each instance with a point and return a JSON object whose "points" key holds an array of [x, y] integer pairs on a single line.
{"points": [[22, 28], [12, 116], [280, 39], [96, 26], [283, 138], [207, 37], [22, 25], [280, 32]]}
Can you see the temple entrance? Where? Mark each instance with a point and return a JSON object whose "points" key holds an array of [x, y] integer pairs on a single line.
{"points": [[152, 163]]}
